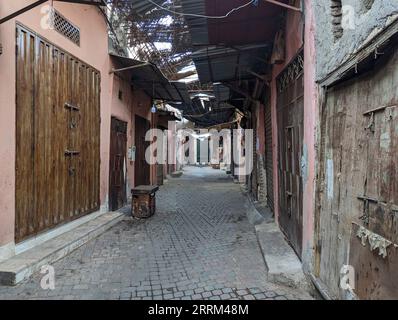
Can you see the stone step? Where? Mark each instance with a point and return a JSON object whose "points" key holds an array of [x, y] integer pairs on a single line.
{"points": [[283, 265], [24, 265]]}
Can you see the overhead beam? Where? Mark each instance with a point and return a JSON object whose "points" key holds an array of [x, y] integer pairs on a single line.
{"points": [[21, 11], [130, 68], [284, 5]]}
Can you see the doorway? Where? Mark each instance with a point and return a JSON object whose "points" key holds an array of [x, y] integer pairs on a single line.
{"points": [[117, 166], [142, 167]]}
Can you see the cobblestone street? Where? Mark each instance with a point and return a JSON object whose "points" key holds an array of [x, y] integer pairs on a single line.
{"points": [[199, 245]]}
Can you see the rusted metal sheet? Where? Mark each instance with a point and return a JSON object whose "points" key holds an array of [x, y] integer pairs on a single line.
{"points": [[358, 179], [144, 201], [57, 132], [290, 114]]}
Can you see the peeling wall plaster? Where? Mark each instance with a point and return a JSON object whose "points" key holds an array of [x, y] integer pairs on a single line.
{"points": [[375, 241], [366, 24]]}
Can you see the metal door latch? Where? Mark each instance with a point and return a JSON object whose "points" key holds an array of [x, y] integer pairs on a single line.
{"points": [[70, 153]]}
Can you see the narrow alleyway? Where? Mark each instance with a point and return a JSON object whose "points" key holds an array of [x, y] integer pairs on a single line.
{"points": [[199, 245]]}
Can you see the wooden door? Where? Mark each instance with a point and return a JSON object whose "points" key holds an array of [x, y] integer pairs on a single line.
{"points": [[57, 136], [290, 114], [118, 165], [359, 174], [142, 167]]}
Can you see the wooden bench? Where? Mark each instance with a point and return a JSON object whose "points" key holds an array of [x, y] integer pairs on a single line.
{"points": [[144, 201]]}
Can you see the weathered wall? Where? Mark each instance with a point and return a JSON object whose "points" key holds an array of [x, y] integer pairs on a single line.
{"points": [[93, 50], [330, 52], [133, 102], [294, 42], [311, 118]]}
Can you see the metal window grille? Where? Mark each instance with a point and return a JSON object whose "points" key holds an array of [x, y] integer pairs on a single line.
{"points": [[292, 72], [66, 28]]}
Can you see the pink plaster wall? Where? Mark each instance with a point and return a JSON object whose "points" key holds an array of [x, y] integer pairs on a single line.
{"points": [[311, 120], [134, 102], [294, 33], [142, 105], [293, 43], [261, 128], [93, 50], [122, 110]]}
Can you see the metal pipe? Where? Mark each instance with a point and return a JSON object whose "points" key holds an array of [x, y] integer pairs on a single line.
{"points": [[129, 68], [21, 11], [284, 5], [39, 2]]}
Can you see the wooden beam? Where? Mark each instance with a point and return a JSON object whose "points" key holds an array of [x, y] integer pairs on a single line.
{"points": [[21, 11]]}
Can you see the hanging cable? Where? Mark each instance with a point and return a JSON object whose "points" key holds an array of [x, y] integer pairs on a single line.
{"points": [[203, 16]]}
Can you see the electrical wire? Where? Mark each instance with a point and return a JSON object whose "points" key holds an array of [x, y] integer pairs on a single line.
{"points": [[203, 16]]}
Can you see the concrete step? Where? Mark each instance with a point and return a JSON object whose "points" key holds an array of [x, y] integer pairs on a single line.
{"points": [[176, 174], [283, 265], [23, 265]]}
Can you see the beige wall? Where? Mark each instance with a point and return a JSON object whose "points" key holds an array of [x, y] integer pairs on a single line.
{"points": [[93, 50]]}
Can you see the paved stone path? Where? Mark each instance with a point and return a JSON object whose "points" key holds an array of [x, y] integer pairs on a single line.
{"points": [[199, 245]]}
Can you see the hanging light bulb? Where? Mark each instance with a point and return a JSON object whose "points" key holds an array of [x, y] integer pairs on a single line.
{"points": [[154, 109]]}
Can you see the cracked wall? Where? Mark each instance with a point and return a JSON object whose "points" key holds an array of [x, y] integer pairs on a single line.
{"points": [[360, 20]]}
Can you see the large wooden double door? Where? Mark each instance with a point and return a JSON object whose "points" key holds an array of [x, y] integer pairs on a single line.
{"points": [[57, 136]]}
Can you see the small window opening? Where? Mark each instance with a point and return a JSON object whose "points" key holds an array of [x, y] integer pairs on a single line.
{"points": [[120, 95]]}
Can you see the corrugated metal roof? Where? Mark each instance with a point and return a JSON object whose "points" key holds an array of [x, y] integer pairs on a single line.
{"points": [[217, 64], [143, 6], [154, 83], [222, 93], [197, 26], [252, 24]]}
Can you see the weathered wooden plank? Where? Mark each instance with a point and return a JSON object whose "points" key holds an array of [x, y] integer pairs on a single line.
{"points": [[359, 160], [24, 134], [52, 187]]}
